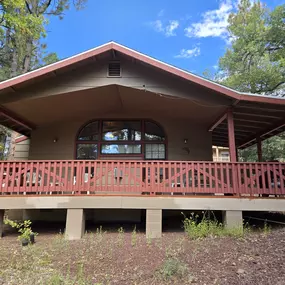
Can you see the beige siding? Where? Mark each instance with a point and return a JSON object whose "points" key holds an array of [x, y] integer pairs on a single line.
{"points": [[21, 151], [199, 143], [133, 75]]}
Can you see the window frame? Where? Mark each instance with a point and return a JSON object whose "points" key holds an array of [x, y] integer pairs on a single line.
{"points": [[101, 142]]}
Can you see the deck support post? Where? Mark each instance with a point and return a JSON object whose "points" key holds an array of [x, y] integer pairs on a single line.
{"points": [[75, 224], [1, 222], [232, 219], [259, 149], [153, 223], [231, 136]]}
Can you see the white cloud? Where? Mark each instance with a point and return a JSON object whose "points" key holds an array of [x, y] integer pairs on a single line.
{"points": [[214, 22], [216, 67], [157, 26], [161, 13], [168, 30], [188, 53]]}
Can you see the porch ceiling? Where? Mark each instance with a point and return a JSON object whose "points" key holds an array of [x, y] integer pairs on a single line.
{"points": [[251, 120], [110, 100]]}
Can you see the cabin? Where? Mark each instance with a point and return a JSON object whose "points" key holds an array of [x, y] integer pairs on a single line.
{"points": [[115, 130]]}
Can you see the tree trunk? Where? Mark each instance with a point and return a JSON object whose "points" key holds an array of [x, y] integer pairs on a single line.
{"points": [[28, 57]]}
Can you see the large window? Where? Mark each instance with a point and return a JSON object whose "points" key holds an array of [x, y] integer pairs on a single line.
{"points": [[109, 138]]}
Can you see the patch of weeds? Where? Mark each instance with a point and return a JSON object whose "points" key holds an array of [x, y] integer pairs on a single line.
{"points": [[60, 240], [158, 243], [134, 237], [100, 234], [173, 268], [120, 238], [266, 228], [148, 240], [79, 279], [197, 228]]}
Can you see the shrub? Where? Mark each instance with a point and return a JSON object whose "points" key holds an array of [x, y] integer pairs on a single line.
{"points": [[206, 227], [172, 267], [24, 228]]}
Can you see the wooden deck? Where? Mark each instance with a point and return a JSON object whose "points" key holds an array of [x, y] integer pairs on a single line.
{"points": [[74, 177]]}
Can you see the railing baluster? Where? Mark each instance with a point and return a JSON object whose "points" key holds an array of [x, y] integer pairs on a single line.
{"points": [[257, 184], [281, 178], [18, 177], [275, 189], [7, 175], [2, 184], [128, 177], [94, 186], [269, 178], [13, 176], [216, 177]]}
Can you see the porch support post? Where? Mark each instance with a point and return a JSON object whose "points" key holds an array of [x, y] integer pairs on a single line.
{"points": [[1, 222], [217, 153], [75, 224], [232, 219], [259, 148], [153, 223], [231, 135]]}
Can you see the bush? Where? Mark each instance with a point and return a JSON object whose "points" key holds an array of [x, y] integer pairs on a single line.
{"points": [[24, 229], [206, 227], [172, 267]]}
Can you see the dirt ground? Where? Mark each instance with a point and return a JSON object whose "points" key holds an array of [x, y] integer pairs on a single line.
{"points": [[129, 258]]}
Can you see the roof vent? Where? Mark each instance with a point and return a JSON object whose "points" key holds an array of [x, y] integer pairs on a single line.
{"points": [[114, 69]]}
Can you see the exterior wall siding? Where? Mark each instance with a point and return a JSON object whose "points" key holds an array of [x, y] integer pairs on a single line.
{"points": [[136, 76], [22, 149], [198, 147]]}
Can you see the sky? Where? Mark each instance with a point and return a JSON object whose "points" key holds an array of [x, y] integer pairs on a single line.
{"points": [[189, 34]]}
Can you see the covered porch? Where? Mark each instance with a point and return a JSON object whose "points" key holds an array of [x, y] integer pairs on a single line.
{"points": [[143, 128]]}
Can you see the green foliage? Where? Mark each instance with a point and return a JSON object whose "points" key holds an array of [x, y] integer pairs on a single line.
{"points": [[173, 267], [22, 29], [24, 228], [272, 149], [196, 229], [134, 237], [266, 229], [121, 236], [255, 61], [79, 279], [23, 25]]}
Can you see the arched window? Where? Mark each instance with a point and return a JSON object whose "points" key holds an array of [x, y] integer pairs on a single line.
{"points": [[116, 138]]}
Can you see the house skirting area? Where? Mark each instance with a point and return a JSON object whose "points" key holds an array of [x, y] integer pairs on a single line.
{"points": [[76, 207]]}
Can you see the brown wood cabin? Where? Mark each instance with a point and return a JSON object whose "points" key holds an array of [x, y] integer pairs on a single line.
{"points": [[112, 128]]}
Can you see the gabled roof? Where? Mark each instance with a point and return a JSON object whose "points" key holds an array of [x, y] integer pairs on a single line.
{"points": [[52, 68]]}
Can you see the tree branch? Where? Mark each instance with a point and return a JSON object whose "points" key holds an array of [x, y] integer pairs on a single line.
{"points": [[275, 87], [28, 7], [44, 7]]}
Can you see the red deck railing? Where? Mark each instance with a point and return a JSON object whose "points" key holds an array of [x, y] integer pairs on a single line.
{"points": [[141, 177]]}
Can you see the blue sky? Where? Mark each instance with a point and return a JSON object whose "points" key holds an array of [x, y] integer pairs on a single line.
{"points": [[189, 34]]}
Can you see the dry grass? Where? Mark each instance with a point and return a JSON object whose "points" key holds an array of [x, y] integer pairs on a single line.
{"points": [[128, 258]]}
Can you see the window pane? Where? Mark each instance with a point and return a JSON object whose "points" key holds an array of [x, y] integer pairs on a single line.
{"points": [[90, 132], [155, 151], [121, 131], [153, 132], [121, 148], [86, 151]]}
